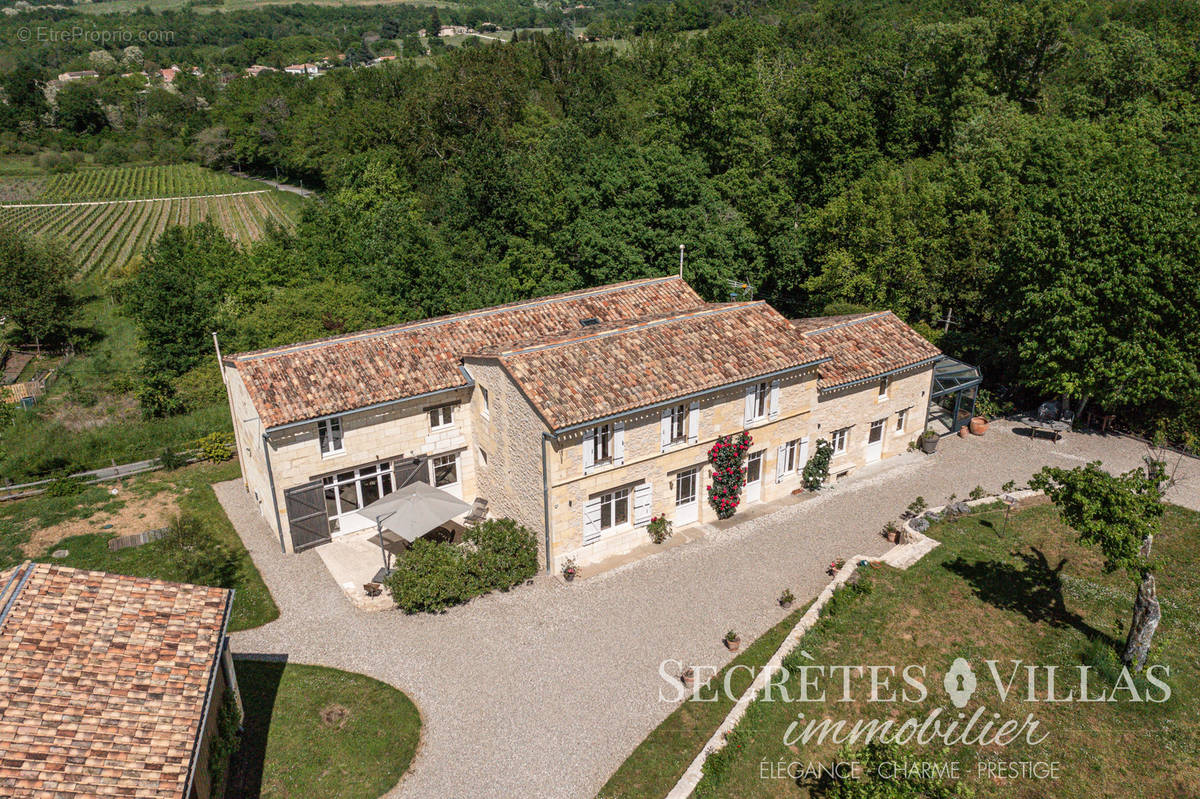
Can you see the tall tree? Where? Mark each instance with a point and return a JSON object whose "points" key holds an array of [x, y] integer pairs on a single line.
{"points": [[34, 289], [1119, 515]]}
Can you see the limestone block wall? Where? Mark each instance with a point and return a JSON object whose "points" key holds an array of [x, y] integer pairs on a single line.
{"points": [[720, 413], [248, 433], [510, 433], [856, 407]]}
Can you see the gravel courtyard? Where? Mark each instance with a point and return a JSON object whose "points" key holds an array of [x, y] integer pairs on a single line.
{"points": [[542, 692]]}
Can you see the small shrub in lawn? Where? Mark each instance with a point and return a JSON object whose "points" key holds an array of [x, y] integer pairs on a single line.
{"points": [[65, 487], [172, 460], [977, 493], [216, 447], [200, 557]]}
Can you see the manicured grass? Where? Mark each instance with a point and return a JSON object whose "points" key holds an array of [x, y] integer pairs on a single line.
{"points": [[660, 760], [252, 605], [1028, 593], [317, 732]]}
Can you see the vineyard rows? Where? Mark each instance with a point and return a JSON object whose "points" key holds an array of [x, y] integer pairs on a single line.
{"points": [[123, 183], [102, 236]]}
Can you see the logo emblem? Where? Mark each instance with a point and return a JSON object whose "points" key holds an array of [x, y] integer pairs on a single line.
{"points": [[960, 682]]}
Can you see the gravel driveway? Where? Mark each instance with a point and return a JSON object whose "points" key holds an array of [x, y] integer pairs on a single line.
{"points": [[543, 692]]}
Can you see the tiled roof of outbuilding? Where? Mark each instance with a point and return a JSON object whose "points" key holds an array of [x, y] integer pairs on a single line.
{"points": [[318, 378], [621, 367], [103, 681], [864, 345]]}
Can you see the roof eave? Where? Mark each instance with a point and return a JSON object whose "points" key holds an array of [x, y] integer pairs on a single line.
{"points": [[877, 375], [208, 694]]}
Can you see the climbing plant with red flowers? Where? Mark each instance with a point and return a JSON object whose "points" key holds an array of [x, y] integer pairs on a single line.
{"points": [[728, 459]]}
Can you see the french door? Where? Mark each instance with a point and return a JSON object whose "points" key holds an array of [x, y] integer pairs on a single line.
{"points": [[754, 463], [687, 491]]}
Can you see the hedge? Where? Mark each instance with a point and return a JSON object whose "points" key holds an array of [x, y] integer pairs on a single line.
{"points": [[432, 576]]}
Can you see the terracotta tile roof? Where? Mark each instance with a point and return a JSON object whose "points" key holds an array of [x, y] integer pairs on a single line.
{"points": [[103, 682], [864, 345], [577, 378], [305, 381]]}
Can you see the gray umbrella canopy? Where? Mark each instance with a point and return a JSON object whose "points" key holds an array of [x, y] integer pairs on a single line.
{"points": [[413, 511]]}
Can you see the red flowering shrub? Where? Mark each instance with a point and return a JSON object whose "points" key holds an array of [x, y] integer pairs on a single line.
{"points": [[728, 459]]}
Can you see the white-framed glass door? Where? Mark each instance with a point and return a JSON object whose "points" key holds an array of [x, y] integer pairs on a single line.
{"points": [[346, 492], [687, 496], [754, 464], [875, 440]]}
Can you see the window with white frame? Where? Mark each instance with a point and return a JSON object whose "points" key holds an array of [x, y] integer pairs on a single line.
{"points": [[762, 393], [441, 416], [445, 471], [601, 444], [790, 450], [614, 509], [679, 417], [329, 433], [346, 492], [839, 440], [483, 395], [901, 419]]}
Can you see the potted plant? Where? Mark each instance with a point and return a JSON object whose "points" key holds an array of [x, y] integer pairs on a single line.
{"points": [[688, 677], [978, 425], [891, 531], [569, 570], [786, 598], [928, 441], [732, 641], [659, 529]]}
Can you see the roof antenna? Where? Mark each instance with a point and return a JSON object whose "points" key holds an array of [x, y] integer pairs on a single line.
{"points": [[681, 262]]}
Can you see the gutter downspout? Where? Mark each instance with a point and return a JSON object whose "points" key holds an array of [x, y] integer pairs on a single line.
{"points": [[274, 499], [546, 498]]}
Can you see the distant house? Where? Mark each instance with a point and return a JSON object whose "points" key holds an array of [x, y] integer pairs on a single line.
{"points": [[309, 69], [258, 69], [109, 685], [454, 30], [581, 415], [169, 74], [78, 75]]}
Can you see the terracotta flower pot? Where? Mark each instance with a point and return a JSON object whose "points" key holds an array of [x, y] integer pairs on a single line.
{"points": [[733, 645], [962, 432], [785, 605], [979, 425], [688, 678], [568, 576]]}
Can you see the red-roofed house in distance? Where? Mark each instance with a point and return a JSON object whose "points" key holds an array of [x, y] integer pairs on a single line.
{"points": [[580, 415]]}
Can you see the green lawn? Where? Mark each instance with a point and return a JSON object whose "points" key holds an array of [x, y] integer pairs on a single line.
{"points": [[660, 760], [317, 732], [1029, 593], [189, 487]]}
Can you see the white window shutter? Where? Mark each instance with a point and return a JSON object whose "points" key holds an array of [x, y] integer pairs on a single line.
{"points": [[694, 422], [780, 463], [749, 403], [642, 496], [591, 521], [618, 442], [666, 428], [589, 448], [803, 458], [774, 406]]}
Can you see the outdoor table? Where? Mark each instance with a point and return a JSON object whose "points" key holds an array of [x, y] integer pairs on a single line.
{"points": [[1054, 427]]}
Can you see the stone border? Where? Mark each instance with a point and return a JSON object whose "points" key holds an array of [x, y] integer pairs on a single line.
{"points": [[900, 556]]}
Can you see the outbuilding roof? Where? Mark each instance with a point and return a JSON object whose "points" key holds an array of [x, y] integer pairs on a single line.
{"points": [[329, 376], [607, 370], [864, 346], [104, 681]]}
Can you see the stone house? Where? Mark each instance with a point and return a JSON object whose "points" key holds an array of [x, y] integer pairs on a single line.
{"points": [[581, 415], [110, 685]]}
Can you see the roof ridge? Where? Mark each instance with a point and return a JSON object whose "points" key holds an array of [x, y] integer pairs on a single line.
{"points": [[418, 324], [630, 325], [864, 317]]}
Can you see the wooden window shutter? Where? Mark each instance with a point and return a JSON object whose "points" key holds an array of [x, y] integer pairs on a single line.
{"points": [[589, 448], [591, 521], [780, 463], [642, 500], [774, 403], [694, 422], [749, 403], [618, 442], [666, 428]]}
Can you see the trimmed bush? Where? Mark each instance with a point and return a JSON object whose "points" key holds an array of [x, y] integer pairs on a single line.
{"points": [[432, 576], [816, 471], [216, 447]]}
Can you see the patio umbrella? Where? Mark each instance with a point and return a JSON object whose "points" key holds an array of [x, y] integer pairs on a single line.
{"points": [[411, 511]]}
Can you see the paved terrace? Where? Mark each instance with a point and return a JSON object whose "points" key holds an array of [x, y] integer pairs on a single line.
{"points": [[542, 692]]}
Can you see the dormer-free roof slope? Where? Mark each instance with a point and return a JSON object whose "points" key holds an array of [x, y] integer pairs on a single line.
{"points": [[104, 681], [864, 346], [319, 378], [604, 371]]}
